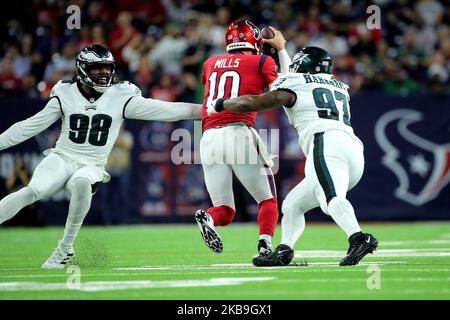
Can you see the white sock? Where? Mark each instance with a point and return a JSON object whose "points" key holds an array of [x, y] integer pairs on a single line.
{"points": [[292, 225], [342, 212], [266, 237], [14, 202], [80, 203]]}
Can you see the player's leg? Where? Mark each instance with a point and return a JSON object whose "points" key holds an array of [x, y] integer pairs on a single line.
{"points": [[298, 201], [14, 202], [218, 176], [262, 188], [81, 187], [339, 164], [258, 179], [329, 172], [219, 183], [50, 175]]}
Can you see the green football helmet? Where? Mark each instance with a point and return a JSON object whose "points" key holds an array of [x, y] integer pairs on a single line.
{"points": [[311, 60]]}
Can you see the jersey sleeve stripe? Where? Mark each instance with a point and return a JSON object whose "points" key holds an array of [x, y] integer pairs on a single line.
{"points": [[261, 62], [125, 106], [60, 104]]}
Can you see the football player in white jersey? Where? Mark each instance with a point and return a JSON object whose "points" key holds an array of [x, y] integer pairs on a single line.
{"points": [[318, 107], [92, 109]]}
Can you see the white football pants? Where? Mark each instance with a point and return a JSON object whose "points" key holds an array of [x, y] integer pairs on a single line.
{"points": [[54, 173], [334, 165], [235, 149]]}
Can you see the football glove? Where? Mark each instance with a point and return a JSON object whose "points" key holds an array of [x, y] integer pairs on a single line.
{"points": [[215, 106]]}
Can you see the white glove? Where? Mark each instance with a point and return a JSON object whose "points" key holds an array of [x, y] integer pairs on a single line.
{"points": [[211, 107]]}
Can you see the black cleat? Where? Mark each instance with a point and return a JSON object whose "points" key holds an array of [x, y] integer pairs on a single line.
{"points": [[264, 247], [208, 232], [360, 245], [282, 256]]}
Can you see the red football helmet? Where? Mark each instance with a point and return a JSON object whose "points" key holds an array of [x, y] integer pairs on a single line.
{"points": [[243, 34]]}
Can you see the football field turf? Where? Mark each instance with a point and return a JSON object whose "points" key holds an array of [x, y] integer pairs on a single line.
{"points": [[171, 262]]}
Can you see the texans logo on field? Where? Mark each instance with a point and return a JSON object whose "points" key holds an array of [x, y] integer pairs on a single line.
{"points": [[422, 167]]}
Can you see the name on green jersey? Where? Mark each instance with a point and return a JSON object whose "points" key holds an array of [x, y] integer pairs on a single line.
{"points": [[316, 79]]}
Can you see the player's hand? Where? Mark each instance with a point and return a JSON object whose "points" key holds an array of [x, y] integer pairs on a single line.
{"points": [[211, 108], [278, 41]]}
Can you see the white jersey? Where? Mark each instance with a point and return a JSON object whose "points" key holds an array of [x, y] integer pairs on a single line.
{"points": [[90, 127], [322, 105]]}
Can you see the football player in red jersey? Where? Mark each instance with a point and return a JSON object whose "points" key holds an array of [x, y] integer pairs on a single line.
{"points": [[229, 142]]}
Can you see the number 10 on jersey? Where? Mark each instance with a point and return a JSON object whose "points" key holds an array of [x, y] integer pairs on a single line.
{"points": [[229, 75]]}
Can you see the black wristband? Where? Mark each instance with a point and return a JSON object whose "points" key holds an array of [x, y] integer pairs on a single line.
{"points": [[219, 104]]}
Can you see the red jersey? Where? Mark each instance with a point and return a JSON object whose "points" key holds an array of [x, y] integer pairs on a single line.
{"points": [[233, 75]]}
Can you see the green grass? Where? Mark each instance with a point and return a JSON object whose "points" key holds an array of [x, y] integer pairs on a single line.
{"points": [[418, 269]]}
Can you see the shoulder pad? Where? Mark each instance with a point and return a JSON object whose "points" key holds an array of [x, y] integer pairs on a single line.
{"points": [[128, 88], [56, 88], [287, 81], [60, 87]]}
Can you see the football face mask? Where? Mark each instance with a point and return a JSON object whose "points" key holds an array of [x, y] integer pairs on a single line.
{"points": [[95, 67]]}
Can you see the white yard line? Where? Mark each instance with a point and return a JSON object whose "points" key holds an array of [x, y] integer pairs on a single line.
{"points": [[146, 271], [304, 254], [389, 253], [96, 286], [249, 266], [413, 242]]}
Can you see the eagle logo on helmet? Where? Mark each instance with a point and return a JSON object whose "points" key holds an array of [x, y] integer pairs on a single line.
{"points": [[93, 56]]}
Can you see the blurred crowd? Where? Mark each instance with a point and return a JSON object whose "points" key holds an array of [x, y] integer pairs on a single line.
{"points": [[160, 45]]}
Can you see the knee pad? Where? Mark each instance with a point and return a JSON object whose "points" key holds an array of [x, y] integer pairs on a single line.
{"points": [[338, 204], [287, 207], [30, 194], [38, 195], [79, 187]]}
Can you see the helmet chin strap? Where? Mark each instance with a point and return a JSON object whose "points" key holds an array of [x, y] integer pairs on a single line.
{"points": [[97, 88], [100, 89]]}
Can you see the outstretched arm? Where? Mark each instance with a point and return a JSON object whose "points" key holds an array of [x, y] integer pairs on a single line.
{"points": [[32, 126], [279, 43], [151, 109], [269, 100]]}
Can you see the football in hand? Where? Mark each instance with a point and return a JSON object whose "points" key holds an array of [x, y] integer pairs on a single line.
{"points": [[266, 33], [267, 49]]}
